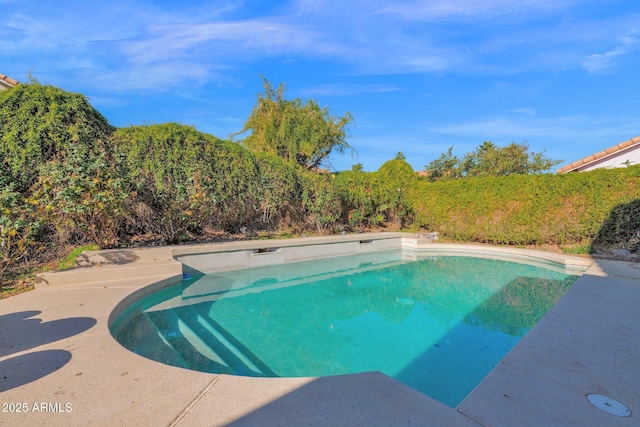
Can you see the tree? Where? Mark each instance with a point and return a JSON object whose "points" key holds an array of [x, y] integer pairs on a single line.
{"points": [[447, 166], [490, 160], [357, 167], [301, 133]]}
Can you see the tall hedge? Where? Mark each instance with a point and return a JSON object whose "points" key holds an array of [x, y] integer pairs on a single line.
{"points": [[47, 135], [525, 209], [39, 123], [180, 178], [186, 182]]}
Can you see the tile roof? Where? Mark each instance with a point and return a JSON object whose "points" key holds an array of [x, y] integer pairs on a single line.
{"points": [[599, 155], [6, 82]]}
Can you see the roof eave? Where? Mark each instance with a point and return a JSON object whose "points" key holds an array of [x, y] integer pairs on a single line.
{"points": [[599, 156]]}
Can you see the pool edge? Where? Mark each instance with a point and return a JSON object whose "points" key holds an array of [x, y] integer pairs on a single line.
{"points": [[104, 391]]}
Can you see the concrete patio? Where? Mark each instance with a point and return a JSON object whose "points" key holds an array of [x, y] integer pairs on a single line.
{"points": [[59, 364]]}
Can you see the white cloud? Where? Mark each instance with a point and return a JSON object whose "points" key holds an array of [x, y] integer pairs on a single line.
{"points": [[599, 62], [346, 89], [469, 9], [515, 125], [147, 46], [37, 36], [159, 78], [222, 42], [165, 55], [420, 63]]}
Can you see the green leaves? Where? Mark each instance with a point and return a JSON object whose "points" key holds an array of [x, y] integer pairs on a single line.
{"points": [[489, 160], [375, 198], [42, 126], [528, 209], [304, 134], [85, 191], [321, 200], [39, 123], [19, 226], [67, 176]]}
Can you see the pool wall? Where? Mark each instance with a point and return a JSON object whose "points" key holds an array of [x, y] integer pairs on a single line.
{"points": [[267, 253]]}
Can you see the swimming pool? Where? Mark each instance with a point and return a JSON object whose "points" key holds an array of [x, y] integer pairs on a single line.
{"points": [[438, 323]]}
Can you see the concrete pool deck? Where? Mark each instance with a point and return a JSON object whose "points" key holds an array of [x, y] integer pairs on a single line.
{"points": [[59, 364]]}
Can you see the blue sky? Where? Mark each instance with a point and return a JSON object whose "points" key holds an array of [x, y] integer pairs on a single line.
{"points": [[418, 76]]}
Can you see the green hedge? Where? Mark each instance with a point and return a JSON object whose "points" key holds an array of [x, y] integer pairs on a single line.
{"points": [[525, 209], [186, 182], [377, 198], [66, 176], [39, 123]]}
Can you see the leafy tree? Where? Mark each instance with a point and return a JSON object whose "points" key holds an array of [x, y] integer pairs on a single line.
{"points": [[501, 161], [490, 160], [301, 133], [357, 167], [445, 167]]}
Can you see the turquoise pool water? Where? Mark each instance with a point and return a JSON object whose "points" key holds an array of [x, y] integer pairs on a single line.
{"points": [[436, 323]]}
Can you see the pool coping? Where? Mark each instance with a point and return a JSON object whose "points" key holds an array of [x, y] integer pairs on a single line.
{"points": [[59, 358]]}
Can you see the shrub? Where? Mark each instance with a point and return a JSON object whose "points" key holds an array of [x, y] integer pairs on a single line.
{"points": [[358, 198], [394, 180], [39, 123], [279, 192], [235, 187], [84, 192], [185, 182], [39, 126], [19, 225], [374, 198], [321, 202], [524, 209], [622, 223], [166, 169]]}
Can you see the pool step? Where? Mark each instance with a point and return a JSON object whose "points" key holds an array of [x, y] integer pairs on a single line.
{"points": [[187, 343], [216, 338], [148, 341]]}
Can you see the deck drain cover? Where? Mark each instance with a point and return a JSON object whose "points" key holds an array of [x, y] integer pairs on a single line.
{"points": [[609, 405]]}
